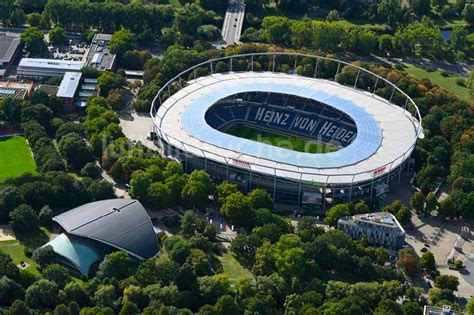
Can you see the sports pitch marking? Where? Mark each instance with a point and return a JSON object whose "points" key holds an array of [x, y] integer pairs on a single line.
{"points": [[277, 140], [15, 158]]}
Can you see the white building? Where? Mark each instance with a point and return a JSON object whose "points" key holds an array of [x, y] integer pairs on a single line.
{"points": [[380, 228], [68, 88], [35, 68]]}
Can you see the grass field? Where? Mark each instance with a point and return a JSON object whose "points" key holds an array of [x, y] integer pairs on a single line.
{"points": [[281, 141], [449, 82], [15, 157], [232, 268], [17, 253]]}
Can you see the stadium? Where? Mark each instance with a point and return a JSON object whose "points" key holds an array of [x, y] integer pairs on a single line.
{"points": [[310, 130]]}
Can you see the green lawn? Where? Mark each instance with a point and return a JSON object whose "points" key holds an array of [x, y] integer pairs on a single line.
{"points": [[17, 253], [449, 82], [232, 268], [15, 157], [286, 142]]}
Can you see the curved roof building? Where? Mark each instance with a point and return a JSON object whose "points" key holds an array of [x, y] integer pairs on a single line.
{"points": [[94, 229]]}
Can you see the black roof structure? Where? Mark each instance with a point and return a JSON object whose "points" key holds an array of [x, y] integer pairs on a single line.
{"points": [[8, 46], [120, 223]]}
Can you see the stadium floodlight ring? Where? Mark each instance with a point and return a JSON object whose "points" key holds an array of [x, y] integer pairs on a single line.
{"points": [[387, 132]]}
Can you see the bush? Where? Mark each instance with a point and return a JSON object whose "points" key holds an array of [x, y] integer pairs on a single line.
{"points": [[445, 73], [461, 82]]}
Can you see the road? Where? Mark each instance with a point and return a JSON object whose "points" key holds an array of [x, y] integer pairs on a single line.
{"points": [[233, 21]]}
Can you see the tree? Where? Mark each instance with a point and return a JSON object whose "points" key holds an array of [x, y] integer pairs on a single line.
{"points": [[129, 308], [76, 150], [44, 255], [18, 17], [188, 19], [56, 273], [6, 8], [213, 287], [105, 295], [447, 282], [198, 189], [39, 112], [33, 39], [388, 307], [190, 224], [390, 11], [159, 195], [24, 219], [117, 265], [122, 41], [418, 201], [225, 189], [91, 170], [361, 207], [276, 29], [469, 308], [57, 37], [209, 32], [403, 216], [109, 80], [42, 294], [136, 295], [421, 7], [9, 291], [18, 308], [260, 198], [226, 305], [75, 293], [431, 202], [238, 209], [116, 99], [427, 261], [447, 208], [468, 13], [335, 213], [407, 262]]}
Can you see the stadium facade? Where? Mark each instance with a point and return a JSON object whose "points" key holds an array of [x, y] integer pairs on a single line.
{"points": [[365, 138]]}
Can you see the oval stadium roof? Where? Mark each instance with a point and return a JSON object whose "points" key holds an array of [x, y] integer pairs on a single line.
{"points": [[120, 223]]}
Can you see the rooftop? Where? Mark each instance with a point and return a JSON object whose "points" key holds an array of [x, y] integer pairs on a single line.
{"points": [[379, 218], [99, 55], [69, 84], [8, 46], [120, 223], [445, 310], [67, 65], [78, 252], [386, 134]]}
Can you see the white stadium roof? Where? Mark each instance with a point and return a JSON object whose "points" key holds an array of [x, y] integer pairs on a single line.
{"points": [[386, 133]]}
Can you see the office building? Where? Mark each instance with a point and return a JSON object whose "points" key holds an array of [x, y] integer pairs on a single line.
{"points": [[35, 68], [380, 228]]}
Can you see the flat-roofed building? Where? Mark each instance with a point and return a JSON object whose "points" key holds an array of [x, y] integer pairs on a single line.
{"points": [[445, 310], [380, 228], [36, 68], [9, 48], [12, 89], [99, 55], [68, 89]]}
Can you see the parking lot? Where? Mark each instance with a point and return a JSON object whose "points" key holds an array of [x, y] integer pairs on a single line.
{"points": [[75, 51], [441, 236]]}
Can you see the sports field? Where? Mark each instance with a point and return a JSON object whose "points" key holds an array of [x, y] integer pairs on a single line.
{"points": [[15, 157], [286, 142]]}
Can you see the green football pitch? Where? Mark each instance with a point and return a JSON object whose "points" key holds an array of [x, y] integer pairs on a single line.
{"points": [[15, 157], [286, 142]]}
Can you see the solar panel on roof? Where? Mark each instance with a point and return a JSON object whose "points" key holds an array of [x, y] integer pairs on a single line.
{"points": [[7, 91]]}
